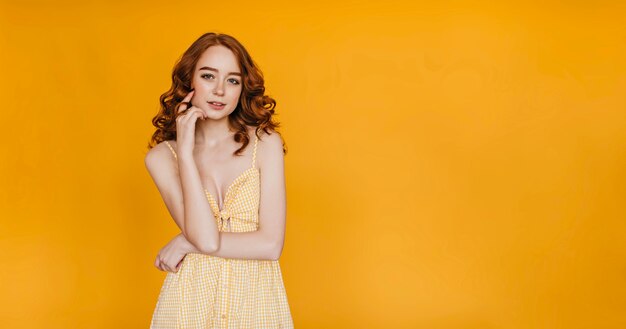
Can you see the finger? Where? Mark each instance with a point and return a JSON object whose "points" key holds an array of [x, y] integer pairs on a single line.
{"points": [[165, 265], [182, 107], [189, 95], [186, 113], [193, 114], [185, 103], [171, 268], [192, 109], [197, 114], [157, 264], [162, 265], [178, 265]]}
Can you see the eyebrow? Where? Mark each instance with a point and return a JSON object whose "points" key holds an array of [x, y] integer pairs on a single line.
{"points": [[216, 70]]}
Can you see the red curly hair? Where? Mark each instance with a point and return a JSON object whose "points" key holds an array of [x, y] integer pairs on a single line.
{"points": [[254, 108]]}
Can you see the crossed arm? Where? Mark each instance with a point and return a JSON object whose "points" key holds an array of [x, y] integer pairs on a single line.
{"points": [[264, 244]]}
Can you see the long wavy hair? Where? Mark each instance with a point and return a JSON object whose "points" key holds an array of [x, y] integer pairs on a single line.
{"points": [[254, 108]]}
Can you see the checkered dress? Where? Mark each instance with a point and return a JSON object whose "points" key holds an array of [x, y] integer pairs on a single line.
{"points": [[214, 292]]}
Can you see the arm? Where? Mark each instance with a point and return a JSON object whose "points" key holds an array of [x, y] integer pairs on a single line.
{"points": [[267, 242], [163, 170], [197, 229]]}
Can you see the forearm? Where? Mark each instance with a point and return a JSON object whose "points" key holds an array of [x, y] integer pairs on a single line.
{"points": [[244, 245], [200, 232]]}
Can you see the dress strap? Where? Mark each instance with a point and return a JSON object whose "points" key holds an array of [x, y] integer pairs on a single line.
{"points": [[171, 149], [256, 140]]}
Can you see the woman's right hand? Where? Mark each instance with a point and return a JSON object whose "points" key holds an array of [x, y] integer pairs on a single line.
{"points": [[186, 125]]}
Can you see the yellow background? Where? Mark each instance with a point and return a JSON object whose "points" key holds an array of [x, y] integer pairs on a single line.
{"points": [[451, 164]]}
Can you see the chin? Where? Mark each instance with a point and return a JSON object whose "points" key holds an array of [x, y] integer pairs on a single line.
{"points": [[218, 115]]}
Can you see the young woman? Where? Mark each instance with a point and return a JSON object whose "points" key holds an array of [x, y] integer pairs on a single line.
{"points": [[217, 161]]}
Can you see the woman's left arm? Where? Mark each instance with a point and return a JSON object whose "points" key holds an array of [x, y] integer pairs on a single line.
{"points": [[267, 242]]}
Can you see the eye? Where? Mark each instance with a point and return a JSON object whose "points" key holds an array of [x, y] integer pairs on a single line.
{"points": [[206, 75]]}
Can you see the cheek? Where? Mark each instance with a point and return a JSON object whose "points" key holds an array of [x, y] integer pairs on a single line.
{"points": [[202, 86], [234, 99], [236, 93]]}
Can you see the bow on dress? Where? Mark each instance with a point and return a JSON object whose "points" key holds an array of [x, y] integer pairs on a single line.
{"points": [[223, 219]]}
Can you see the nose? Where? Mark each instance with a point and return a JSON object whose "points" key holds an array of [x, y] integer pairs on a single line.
{"points": [[219, 89]]}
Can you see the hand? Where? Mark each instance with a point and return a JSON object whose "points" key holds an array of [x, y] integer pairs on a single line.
{"points": [[186, 124], [171, 256]]}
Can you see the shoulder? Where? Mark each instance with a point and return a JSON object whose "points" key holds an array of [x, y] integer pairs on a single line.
{"points": [[268, 142], [269, 149], [162, 167], [156, 155]]}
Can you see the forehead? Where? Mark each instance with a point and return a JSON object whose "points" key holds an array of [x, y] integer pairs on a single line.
{"points": [[220, 58]]}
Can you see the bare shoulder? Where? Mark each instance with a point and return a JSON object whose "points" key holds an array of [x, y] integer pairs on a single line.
{"points": [[159, 155], [268, 141], [269, 149]]}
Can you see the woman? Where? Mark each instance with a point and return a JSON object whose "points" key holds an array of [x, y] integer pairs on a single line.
{"points": [[216, 154]]}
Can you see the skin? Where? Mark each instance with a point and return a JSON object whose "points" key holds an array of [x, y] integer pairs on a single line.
{"points": [[204, 147]]}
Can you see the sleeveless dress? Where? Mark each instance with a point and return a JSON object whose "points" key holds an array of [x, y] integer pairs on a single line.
{"points": [[215, 292]]}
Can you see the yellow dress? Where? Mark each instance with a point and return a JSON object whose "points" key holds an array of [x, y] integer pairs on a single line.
{"points": [[214, 292]]}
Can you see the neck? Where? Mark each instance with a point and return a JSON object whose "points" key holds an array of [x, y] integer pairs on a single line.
{"points": [[212, 132]]}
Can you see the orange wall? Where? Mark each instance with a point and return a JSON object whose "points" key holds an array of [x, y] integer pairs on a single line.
{"points": [[450, 165]]}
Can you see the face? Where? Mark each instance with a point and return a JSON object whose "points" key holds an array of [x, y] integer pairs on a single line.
{"points": [[217, 78]]}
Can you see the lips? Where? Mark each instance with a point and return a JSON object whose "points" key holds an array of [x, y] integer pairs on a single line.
{"points": [[217, 105]]}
